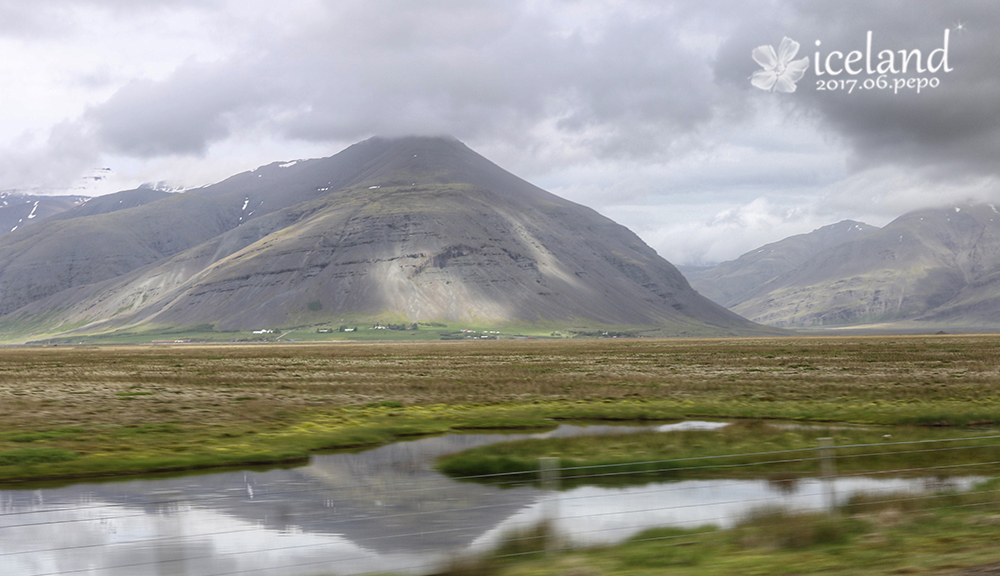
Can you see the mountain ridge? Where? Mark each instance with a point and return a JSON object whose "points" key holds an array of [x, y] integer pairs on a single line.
{"points": [[420, 228], [935, 267], [729, 283]]}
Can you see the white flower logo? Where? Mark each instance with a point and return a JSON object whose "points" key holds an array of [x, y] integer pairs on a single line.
{"points": [[780, 72]]}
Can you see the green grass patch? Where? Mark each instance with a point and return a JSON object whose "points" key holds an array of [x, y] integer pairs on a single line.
{"points": [[30, 456], [515, 422], [69, 432], [149, 429], [384, 404], [748, 449]]}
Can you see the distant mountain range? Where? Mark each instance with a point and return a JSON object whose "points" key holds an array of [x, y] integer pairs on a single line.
{"points": [[928, 268], [410, 229], [20, 210]]}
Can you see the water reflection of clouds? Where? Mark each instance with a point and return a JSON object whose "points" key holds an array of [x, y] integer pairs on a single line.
{"points": [[689, 425], [381, 510], [592, 515], [112, 540]]}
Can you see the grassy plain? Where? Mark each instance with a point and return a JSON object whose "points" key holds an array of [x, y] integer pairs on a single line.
{"points": [[90, 411]]}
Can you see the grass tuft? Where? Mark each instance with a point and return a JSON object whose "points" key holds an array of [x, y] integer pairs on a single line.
{"points": [[780, 528]]}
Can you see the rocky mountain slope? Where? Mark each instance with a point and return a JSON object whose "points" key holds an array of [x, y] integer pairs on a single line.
{"points": [[418, 229], [730, 283], [934, 267]]}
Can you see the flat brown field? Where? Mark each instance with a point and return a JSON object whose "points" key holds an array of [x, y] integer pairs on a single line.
{"points": [[129, 385]]}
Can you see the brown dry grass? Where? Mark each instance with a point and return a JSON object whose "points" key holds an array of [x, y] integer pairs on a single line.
{"points": [[129, 385]]}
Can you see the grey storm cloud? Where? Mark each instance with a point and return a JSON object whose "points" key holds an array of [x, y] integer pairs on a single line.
{"points": [[197, 105], [476, 71], [954, 128], [625, 84]]}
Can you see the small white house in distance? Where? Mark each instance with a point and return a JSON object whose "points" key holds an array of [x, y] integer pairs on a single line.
{"points": [[264, 331]]}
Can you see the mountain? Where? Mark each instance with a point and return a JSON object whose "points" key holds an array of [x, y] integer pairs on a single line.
{"points": [[111, 203], [730, 283], [414, 229], [934, 267], [110, 236], [54, 255], [20, 210]]}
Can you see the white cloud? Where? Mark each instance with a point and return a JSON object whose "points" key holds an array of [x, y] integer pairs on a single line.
{"points": [[884, 193], [712, 233]]}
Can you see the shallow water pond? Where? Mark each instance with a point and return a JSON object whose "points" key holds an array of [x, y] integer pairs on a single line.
{"points": [[384, 509]]}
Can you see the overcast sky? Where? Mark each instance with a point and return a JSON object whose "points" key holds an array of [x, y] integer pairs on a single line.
{"points": [[642, 110]]}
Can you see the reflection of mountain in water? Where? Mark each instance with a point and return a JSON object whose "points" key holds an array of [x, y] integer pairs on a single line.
{"points": [[388, 499], [381, 510]]}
